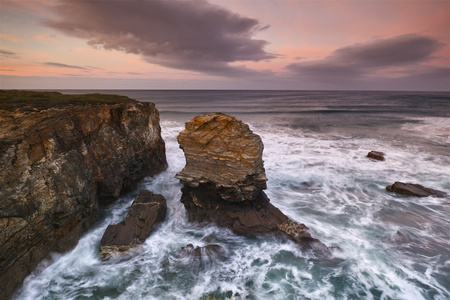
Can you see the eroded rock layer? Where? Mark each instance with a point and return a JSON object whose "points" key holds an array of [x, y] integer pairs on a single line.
{"points": [[222, 151], [224, 179], [61, 156]]}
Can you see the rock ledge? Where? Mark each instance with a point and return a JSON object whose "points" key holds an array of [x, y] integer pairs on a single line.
{"points": [[147, 210], [411, 189]]}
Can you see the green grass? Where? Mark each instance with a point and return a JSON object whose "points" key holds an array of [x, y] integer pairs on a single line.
{"points": [[15, 99]]}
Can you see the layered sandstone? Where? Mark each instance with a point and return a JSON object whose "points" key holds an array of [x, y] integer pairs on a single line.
{"points": [[224, 179], [61, 157], [223, 152]]}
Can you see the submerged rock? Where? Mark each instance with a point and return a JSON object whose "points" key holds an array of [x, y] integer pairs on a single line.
{"points": [[411, 189], [147, 210], [210, 250], [400, 238], [224, 179], [376, 155], [61, 156]]}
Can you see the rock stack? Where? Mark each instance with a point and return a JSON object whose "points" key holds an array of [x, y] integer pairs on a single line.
{"points": [[224, 179]]}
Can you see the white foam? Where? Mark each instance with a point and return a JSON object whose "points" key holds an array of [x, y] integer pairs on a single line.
{"points": [[436, 129], [322, 180]]}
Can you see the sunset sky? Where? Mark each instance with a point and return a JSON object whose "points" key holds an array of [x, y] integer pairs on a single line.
{"points": [[225, 44]]}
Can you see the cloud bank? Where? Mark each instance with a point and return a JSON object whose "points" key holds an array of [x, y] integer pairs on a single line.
{"points": [[189, 35], [398, 59], [60, 65]]}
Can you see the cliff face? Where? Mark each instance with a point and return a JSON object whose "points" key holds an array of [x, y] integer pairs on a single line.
{"points": [[62, 156]]}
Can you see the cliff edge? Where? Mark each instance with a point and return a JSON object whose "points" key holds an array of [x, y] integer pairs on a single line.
{"points": [[62, 156]]}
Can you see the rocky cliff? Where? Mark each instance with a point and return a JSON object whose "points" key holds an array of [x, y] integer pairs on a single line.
{"points": [[224, 179], [61, 157]]}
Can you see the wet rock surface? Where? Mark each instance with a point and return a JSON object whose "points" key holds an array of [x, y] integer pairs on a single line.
{"points": [[377, 155], [210, 250], [147, 210], [224, 179], [61, 156], [411, 189]]}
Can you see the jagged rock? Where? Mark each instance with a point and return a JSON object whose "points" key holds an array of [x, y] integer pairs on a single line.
{"points": [[411, 189], [376, 155], [62, 155], [147, 210], [224, 178]]}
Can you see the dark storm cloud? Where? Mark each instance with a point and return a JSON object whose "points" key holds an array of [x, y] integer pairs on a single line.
{"points": [[191, 35], [59, 65], [395, 51], [353, 63]]}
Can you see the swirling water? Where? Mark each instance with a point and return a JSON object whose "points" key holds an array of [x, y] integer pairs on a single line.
{"points": [[392, 247]]}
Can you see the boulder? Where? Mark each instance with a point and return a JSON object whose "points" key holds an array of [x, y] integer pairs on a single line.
{"points": [[224, 179], [147, 210], [376, 155], [62, 156], [411, 189]]}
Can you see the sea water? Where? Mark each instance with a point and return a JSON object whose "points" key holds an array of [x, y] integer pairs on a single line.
{"points": [[315, 147]]}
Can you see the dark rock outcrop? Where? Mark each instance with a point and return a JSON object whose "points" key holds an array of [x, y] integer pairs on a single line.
{"points": [[62, 155], [411, 189], [147, 210], [210, 250], [376, 155], [224, 178]]}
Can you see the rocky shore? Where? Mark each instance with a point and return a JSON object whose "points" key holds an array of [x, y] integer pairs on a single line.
{"points": [[62, 156], [147, 210]]}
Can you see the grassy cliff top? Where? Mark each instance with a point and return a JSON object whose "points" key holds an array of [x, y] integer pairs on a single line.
{"points": [[14, 99]]}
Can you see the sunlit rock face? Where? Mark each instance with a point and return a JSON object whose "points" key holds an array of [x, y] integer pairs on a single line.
{"points": [[61, 157], [223, 152], [224, 179]]}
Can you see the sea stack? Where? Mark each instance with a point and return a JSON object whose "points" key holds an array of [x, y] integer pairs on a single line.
{"points": [[224, 179], [62, 156]]}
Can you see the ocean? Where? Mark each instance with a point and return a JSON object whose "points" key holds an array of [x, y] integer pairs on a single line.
{"points": [[315, 147]]}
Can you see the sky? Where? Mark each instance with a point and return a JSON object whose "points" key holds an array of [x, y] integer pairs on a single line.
{"points": [[225, 44]]}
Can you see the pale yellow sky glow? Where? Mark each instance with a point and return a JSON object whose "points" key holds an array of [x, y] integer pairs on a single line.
{"points": [[230, 44]]}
